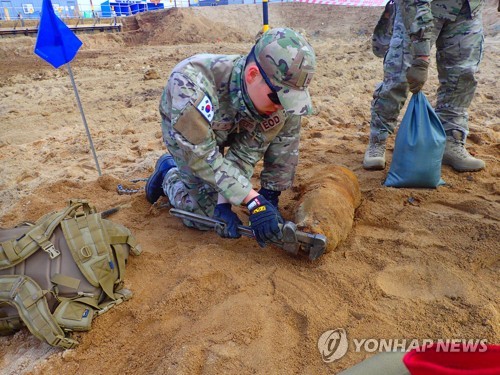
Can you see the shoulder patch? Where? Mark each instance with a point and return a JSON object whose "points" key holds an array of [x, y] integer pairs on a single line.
{"points": [[206, 108], [274, 120], [247, 125], [192, 125], [223, 126]]}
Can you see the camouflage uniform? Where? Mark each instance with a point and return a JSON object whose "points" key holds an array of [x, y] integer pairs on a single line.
{"points": [[230, 123], [390, 95], [455, 27]]}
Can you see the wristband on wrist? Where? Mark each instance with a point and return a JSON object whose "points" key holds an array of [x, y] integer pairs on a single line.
{"points": [[254, 203]]}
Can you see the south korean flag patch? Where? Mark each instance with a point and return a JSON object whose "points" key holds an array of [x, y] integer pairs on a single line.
{"points": [[206, 108]]}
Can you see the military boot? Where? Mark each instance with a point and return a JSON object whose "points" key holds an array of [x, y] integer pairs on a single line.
{"points": [[154, 188], [456, 156], [375, 154]]}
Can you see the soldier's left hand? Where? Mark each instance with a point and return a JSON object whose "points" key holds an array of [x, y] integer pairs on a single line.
{"points": [[224, 213], [417, 74]]}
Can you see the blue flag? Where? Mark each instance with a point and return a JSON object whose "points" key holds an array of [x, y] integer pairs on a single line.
{"points": [[55, 42]]}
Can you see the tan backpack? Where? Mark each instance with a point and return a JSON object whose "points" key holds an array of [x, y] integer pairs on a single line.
{"points": [[60, 272]]}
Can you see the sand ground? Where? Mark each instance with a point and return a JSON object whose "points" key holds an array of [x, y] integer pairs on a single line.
{"points": [[418, 263]]}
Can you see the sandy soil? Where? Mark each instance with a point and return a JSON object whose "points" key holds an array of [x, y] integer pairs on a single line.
{"points": [[418, 263]]}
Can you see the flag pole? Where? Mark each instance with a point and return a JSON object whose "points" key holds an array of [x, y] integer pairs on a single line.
{"points": [[83, 118], [265, 17], [58, 45]]}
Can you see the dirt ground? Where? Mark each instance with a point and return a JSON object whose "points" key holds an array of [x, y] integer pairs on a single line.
{"points": [[417, 264]]}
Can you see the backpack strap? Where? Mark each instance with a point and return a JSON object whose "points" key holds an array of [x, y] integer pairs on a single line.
{"points": [[10, 322], [120, 296], [120, 234], [10, 325], [29, 299], [91, 251], [63, 280], [119, 237], [16, 250], [76, 314]]}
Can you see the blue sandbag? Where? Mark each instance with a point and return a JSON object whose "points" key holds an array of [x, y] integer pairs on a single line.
{"points": [[419, 147]]}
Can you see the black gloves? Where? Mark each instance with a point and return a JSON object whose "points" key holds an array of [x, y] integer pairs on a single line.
{"points": [[417, 74], [224, 213], [264, 219]]}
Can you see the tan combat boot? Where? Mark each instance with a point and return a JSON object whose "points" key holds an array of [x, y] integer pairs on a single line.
{"points": [[456, 156], [375, 155]]}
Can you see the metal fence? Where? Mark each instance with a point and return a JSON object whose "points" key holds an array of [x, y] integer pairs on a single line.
{"points": [[12, 10]]}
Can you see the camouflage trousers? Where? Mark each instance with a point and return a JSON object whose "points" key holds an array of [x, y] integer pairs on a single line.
{"points": [[189, 193], [459, 50]]}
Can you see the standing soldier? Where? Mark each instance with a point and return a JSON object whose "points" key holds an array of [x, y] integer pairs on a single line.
{"points": [[221, 114], [455, 27]]}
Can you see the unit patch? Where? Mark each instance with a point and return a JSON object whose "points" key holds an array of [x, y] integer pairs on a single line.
{"points": [[246, 124], [192, 125], [224, 126], [274, 120]]}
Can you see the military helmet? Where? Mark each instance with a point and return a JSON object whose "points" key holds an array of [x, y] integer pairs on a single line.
{"points": [[287, 63]]}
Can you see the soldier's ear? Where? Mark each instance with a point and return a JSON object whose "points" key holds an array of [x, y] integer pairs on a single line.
{"points": [[252, 73]]}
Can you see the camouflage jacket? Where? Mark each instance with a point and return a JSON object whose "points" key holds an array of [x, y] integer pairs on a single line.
{"points": [[419, 15], [230, 121]]}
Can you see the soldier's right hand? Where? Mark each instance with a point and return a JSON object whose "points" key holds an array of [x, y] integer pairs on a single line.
{"points": [[264, 219], [417, 74], [224, 213]]}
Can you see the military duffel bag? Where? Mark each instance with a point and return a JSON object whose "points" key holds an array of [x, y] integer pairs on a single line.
{"points": [[60, 272]]}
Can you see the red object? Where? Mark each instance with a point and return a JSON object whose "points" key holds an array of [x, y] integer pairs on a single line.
{"points": [[454, 359]]}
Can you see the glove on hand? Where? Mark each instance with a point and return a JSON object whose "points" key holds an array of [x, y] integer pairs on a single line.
{"points": [[417, 74], [264, 219], [224, 213]]}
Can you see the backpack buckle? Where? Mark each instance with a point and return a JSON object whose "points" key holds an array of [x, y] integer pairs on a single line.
{"points": [[64, 342], [51, 250]]}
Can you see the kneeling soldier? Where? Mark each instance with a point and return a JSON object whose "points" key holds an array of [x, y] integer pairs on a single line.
{"points": [[221, 114]]}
